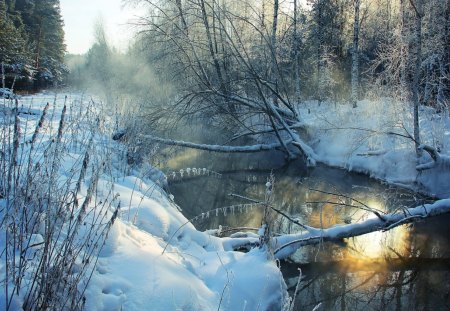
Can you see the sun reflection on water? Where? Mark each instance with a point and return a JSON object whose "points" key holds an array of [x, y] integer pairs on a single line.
{"points": [[378, 244], [357, 250]]}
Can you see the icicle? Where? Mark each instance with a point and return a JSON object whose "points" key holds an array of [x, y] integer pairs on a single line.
{"points": [[194, 171], [174, 175], [232, 209], [217, 212], [181, 172], [207, 214], [224, 211], [188, 171], [204, 171]]}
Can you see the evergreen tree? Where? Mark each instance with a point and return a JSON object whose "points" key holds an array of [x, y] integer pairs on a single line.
{"points": [[47, 41], [32, 41], [14, 57]]}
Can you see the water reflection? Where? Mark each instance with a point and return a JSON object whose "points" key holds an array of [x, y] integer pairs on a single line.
{"points": [[404, 268], [414, 277]]}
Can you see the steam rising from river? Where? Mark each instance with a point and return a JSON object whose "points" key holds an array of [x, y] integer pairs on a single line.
{"points": [[125, 80]]}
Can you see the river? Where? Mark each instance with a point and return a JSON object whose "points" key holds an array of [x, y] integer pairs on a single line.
{"points": [[406, 268]]}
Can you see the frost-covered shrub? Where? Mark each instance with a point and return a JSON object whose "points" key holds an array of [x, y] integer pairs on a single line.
{"points": [[54, 217]]}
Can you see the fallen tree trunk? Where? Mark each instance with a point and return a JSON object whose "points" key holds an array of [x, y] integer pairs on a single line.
{"points": [[286, 245], [438, 160], [217, 148]]}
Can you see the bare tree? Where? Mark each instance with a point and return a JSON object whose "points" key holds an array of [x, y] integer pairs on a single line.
{"points": [[232, 84]]}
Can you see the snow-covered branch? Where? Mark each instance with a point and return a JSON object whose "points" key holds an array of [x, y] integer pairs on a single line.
{"points": [[286, 245], [351, 230], [216, 148], [441, 161], [431, 151]]}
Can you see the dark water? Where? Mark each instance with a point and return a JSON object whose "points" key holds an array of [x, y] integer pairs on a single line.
{"points": [[406, 268]]}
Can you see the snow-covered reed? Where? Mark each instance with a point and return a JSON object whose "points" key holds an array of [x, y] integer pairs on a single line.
{"points": [[54, 221]]}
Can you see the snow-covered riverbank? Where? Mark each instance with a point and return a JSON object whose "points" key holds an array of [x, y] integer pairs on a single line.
{"points": [[152, 257], [78, 197], [373, 139]]}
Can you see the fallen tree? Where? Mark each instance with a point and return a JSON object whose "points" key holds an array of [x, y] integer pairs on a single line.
{"points": [[307, 151], [285, 245], [216, 148], [438, 160]]}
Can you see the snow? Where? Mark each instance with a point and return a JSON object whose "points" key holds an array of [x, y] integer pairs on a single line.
{"points": [[286, 245], [370, 139], [6, 93], [215, 148], [153, 257]]}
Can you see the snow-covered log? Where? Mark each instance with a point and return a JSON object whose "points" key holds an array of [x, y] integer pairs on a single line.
{"points": [[372, 153], [307, 151], [217, 148], [286, 245], [438, 160]]}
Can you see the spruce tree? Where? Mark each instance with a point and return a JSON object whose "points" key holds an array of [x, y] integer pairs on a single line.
{"points": [[14, 57], [32, 41], [47, 41]]}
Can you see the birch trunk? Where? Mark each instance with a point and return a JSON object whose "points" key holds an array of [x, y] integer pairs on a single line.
{"points": [[355, 56], [403, 51], [274, 50], [296, 54], [211, 46], [320, 50], [417, 63]]}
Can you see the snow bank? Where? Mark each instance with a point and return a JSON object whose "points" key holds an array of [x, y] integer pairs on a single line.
{"points": [[373, 139], [152, 258]]}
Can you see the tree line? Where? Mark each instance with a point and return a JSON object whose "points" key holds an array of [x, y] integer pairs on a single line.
{"points": [[320, 49], [32, 45], [230, 60]]}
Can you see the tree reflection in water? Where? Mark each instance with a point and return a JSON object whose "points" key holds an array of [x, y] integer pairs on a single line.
{"points": [[406, 268], [415, 278]]}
